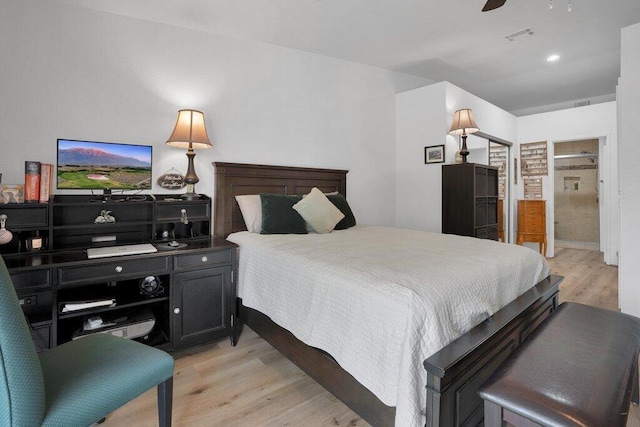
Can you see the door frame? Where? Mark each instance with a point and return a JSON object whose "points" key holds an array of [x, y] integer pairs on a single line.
{"points": [[606, 197]]}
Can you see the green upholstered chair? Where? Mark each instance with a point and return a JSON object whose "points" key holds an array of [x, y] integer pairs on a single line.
{"points": [[77, 383]]}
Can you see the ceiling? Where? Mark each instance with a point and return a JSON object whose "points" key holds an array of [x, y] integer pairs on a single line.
{"points": [[438, 40]]}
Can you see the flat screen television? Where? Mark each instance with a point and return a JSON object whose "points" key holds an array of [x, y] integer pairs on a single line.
{"points": [[91, 165]]}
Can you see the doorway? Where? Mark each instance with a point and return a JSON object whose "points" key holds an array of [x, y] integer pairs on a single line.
{"points": [[576, 194]]}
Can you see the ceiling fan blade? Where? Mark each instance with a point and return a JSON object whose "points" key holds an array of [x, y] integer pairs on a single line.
{"points": [[493, 4]]}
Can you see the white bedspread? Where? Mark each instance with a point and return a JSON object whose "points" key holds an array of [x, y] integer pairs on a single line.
{"points": [[381, 300]]}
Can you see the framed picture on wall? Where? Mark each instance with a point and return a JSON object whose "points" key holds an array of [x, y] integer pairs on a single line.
{"points": [[434, 154]]}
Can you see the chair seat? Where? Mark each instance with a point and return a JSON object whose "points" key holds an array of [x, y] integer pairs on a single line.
{"points": [[80, 385]]}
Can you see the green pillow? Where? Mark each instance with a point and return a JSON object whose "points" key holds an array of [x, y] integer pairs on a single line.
{"points": [[278, 215], [340, 202]]}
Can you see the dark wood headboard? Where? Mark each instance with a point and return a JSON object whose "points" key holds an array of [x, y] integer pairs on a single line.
{"points": [[234, 179]]}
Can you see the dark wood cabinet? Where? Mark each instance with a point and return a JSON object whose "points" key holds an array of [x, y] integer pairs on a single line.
{"points": [[179, 219], [137, 220], [25, 221], [35, 293], [470, 200], [74, 221], [202, 306], [115, 279], [196, 298]]}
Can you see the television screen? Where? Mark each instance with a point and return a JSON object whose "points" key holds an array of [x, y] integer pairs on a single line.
{"points": [[94, 165]]}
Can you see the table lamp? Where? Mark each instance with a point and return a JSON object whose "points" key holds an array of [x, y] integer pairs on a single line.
{"points": [[190, 132], [463, 124]]}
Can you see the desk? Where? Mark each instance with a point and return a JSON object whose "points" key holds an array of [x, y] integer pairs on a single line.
{"points": [[196, 301]]}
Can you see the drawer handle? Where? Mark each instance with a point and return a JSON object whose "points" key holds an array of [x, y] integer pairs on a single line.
{"points": [[205, 259], [176, 310], [118, 269]]}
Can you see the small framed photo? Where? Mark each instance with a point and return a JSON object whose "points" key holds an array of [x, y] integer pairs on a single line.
{"points": [[434, 154]]}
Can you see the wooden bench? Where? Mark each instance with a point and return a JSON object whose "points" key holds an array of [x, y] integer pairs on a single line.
{"points": [[579, 368]]}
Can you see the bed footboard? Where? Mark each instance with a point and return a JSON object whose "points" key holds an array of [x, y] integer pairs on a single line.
{"points": [[455, 373]]}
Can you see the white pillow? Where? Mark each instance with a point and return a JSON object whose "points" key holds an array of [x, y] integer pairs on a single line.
{"points": [[333, 193], [251, 208], [318, 211], [309, 227]]}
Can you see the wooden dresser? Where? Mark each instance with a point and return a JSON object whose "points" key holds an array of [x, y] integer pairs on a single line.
{"points": [[532, 223], [470, 200]]}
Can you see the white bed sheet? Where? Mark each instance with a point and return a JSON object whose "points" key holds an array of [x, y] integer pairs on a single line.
{"points": [[381, 300]]}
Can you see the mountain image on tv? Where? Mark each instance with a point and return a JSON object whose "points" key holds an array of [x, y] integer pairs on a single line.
{"points": [[96, 157], [101, 165]]}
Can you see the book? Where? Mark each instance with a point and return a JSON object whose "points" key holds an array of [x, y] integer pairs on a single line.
{"points": [[31, 181], [83, 305], [46, 178]]}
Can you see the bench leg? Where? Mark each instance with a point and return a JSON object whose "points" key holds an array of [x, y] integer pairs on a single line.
{"points": [[492, 414]]}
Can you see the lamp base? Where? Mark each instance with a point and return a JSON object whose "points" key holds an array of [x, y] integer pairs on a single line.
{"points": [[190, 196], [464, 152], [191, 178]]}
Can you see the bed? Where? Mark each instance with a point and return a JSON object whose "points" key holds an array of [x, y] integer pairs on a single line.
{"points": [[452, 374]]}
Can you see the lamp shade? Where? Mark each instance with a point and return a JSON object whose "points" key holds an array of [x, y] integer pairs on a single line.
{"points": [[463, 123], [190, 131]]}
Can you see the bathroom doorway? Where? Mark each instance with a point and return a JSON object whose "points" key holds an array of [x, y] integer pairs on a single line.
{"points": [[576, 194]]}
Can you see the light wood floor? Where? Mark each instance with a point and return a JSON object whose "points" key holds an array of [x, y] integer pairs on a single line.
{"points": [[253, 385]]}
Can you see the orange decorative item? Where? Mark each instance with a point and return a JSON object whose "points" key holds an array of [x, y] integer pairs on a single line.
{"points": [[532, 223]]}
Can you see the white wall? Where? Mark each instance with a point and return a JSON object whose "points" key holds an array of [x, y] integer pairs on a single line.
{"points": [[70, 72], [593, 121], [420, 122], [491, 120], [423, 118], [629, 271]]}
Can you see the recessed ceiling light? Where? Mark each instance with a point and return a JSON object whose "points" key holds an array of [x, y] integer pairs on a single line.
{"points": [[553, 58]]}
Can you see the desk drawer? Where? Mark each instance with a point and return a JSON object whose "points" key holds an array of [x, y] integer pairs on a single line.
{"points": [[112, 270], [31, 279], [24, 216], [201, 260]]}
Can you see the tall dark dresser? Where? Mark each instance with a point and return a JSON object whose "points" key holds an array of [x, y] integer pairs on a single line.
{"points": [[470, 200]]}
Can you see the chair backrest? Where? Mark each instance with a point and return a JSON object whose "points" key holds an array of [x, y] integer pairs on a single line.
{"points": [[22, 397]]}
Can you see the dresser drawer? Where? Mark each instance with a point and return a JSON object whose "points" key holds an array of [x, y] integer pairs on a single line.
{"points": [[114, 270], [532, 216], [533, 224], [204, 259]]}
